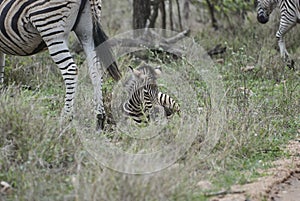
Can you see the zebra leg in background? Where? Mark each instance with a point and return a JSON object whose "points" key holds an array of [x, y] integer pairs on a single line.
{"points": [[169, 104], [283, 29], [284, 53], [2, 64], [84, 33]]}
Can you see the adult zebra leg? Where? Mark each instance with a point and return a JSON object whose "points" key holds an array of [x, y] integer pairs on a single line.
{"points": [[84, 33], [283, 29], [95, 72], [61, 55], [2, 64], [282, 48], [284, 53]]}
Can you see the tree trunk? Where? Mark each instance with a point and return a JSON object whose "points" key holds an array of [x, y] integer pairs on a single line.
{"points": [[179, 15], [186, 9], [141, 13], [163, 14], [154, 14], [171, 14], [211, 8]]}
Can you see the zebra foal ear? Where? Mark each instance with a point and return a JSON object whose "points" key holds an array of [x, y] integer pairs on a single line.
{"points": [[135, 72], [157, 70]]}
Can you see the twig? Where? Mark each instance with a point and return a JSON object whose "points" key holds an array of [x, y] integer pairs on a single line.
{"points": [[152, 40], [224, 192], [178, 37]]}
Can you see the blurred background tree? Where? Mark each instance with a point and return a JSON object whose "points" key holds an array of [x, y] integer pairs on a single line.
{"points": [[223, 11], [168, 13], [173, 15], [146, 13], [141, 13]]}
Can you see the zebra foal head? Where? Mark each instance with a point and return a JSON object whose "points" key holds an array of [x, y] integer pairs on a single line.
{"points": [[264, 9], [143, 76], [142, 89], [146, 73]]}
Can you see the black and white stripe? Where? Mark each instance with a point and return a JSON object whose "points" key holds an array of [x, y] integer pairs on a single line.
{"points": [[144, 94], [289, 16], [30, 26]]}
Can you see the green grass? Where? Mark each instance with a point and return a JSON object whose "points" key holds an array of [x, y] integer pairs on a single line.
{"points": [[44, 161]]}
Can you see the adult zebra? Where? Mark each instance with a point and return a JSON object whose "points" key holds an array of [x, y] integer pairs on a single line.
{"points": [[144, 94], [30, 26], [289, 16]]}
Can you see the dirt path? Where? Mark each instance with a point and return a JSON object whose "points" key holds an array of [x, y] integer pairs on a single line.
{"points": [[282, 184], [288, 190]]}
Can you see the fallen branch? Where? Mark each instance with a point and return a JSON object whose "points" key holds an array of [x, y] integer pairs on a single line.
{"points": [[224, 192], [178, 37], [151, 40], [218, 49]]}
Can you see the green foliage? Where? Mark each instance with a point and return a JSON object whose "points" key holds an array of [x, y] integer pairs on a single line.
{"points": [[229, 7], [225, 13]]}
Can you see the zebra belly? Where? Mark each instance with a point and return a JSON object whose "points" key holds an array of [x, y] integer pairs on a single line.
{"points": [[30, 44]]}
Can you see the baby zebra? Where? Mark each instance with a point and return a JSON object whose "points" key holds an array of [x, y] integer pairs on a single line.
{"points": [[143, 94]]}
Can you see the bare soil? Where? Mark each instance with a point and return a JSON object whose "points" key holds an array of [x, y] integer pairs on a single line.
{"points": [[281, 184], [288, 190]]}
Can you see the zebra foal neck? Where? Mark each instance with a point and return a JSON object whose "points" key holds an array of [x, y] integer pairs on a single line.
{"points": [[144, 95], [28, 27]]}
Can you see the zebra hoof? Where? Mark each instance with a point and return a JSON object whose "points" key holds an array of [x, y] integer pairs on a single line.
{"points": [[100, 122]]}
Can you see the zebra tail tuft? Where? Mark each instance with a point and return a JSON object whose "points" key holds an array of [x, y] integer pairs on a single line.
{"points": [[104, 51]]}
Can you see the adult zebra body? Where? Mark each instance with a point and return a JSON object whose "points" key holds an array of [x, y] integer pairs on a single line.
{"points": [[30, 26], [144, 94], [289, 17]]}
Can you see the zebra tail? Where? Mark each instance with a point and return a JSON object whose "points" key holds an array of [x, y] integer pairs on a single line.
{"points": [[105, 52]]}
